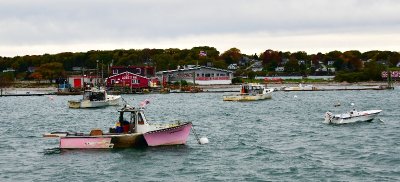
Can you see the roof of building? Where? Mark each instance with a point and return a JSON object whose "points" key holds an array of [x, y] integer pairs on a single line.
{"points": [[118, 67], [194, 68], [126, 72]]}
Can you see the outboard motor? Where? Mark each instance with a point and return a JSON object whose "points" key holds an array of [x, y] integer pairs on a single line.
{"points": [[328, 117]]}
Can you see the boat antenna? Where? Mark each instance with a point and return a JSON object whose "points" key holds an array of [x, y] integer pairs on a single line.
{"points": [[124, 101]]}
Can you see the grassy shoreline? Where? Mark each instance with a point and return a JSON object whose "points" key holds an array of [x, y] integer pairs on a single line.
{"points": [[292, 82]]}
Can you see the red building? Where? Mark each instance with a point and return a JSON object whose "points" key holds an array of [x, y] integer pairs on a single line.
{"points": [[128, 79], [79, 81]]}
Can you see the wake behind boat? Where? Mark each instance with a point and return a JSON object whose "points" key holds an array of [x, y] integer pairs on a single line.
{"points": [[250, 92], [95, 98], [351, 117]]}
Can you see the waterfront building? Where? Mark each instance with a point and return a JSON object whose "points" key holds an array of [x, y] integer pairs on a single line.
{"points": [[201, 75], [130, 80], [146, 71]]}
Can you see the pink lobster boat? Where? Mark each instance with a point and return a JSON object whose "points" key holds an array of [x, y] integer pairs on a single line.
{"points": [[135, 131]]}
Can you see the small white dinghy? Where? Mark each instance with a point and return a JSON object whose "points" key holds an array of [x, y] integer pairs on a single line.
{"points": [[351, 117]]}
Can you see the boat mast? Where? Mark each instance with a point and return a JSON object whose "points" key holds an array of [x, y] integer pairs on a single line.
{"points": [[389, 75]]}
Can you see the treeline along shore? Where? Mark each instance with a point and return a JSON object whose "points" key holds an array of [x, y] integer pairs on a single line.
{"points": [[348, 66]]}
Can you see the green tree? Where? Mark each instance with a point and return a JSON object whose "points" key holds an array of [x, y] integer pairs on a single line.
{"points": [[373, 70], [251, 75], [292, 66]]}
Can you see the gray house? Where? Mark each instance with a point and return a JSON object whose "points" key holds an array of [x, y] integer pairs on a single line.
{"points": [[201, 75]]}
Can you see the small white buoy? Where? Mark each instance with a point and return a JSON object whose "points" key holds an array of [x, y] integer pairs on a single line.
{"points": [[295, 96], [203, 140], [352, 104]]}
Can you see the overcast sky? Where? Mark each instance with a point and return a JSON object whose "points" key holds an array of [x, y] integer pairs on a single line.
{"points": [[52, 26]]}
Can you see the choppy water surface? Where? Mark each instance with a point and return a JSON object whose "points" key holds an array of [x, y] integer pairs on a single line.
{"points": [[282, 139]]}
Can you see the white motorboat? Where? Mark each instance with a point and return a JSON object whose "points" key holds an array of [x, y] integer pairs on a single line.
{"points": [[300, 87], [250, 92], [351, 117], [95, 98]]}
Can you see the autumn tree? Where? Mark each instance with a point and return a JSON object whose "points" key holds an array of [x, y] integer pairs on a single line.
{"points": [[51, 71], [270, 57], [353, 60], [36, 76], [231, 56], [5, 81]]}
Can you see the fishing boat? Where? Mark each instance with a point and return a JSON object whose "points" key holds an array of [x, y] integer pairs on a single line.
{"points": [[300, 87], [351, 117], [250, 92], [132, 130], [95, 97]]}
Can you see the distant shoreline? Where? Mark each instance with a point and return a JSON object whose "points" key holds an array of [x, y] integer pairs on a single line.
{"points": [[17, 90], [296, 84]]}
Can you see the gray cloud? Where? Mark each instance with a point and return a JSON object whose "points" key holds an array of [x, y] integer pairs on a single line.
{"points": [[44, 22]]}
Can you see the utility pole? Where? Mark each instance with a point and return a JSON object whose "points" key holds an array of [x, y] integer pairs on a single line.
{"points": [[389, 74], [97, 72], [102, 78]]}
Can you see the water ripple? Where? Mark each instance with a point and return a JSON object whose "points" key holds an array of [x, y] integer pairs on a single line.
{"points": [[282, 139]]}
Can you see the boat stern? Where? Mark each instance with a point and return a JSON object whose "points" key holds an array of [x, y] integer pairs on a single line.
{"points": [[85, 143], [74, 104]]}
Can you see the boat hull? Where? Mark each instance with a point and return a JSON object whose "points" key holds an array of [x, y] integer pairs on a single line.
{"points": [[169, 136], [112, 101], [85, 142], [362, 117], [244, 97], [103, 141]]}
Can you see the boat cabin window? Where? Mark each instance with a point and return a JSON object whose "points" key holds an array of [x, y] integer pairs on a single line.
{"points": [[245, 89], [132, 122], [96, 96], [140, 118], [86, 95]]}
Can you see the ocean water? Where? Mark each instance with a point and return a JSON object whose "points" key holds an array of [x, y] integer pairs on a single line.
{"points": [[282, 139]]}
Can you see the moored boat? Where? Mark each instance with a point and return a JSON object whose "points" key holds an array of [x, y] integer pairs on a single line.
{"points": [[300, 87], [351, 117], [132, 130], [250, 92], [95, 98]]}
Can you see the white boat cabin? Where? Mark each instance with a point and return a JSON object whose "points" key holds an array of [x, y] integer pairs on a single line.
{"points": [[252, 89], [94, 95], [133, 120]]}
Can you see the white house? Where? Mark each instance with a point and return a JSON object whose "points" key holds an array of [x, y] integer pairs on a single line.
{"points": [[280, 69], [233, 67], [330, 63]]}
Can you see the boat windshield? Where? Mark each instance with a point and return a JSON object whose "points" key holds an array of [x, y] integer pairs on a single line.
{"points": [[86, 95], [140, 118], [97, 96]]}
